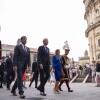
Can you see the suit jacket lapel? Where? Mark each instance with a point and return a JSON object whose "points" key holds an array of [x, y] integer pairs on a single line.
{"points": [[26, 50], [45, 50], [22, 49]]}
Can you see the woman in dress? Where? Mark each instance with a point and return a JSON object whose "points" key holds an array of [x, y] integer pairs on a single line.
{"points": [[57, 67]]}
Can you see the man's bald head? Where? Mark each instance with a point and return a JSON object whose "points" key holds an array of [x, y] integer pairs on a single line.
{"points": [[45, 41]]}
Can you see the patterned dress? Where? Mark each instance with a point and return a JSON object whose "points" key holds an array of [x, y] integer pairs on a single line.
{"points": [[65, 62]]}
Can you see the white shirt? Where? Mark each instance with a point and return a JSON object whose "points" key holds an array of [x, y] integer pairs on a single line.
{"points": [[24, 47], [87, 65], [46, 48]]}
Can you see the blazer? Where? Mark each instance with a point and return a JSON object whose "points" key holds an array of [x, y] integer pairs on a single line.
{"points": [[9, 65], [43, 56], [98, 67], [56, 62], [2, 66], [21, 57]]}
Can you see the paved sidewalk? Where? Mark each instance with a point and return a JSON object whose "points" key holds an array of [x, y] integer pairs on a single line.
{"points": [[86, 91]]}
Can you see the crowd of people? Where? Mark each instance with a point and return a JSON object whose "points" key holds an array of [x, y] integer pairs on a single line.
{"points": [[15, 67], [93, 69]]}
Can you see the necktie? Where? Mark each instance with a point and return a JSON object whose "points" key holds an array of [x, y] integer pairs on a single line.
{"points": [[12, 60], [46, 49], [24, 48]]}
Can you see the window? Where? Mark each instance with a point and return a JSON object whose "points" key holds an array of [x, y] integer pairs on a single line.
{"points": [[97, 13], [99, 56], [99, 42]]}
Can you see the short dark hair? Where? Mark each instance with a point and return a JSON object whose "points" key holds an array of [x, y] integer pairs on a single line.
{"points": [[3, 57], [57, 50], [23, 37]]}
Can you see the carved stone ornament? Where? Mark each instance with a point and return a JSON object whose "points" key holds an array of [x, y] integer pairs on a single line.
{"points": [[66, 46]]}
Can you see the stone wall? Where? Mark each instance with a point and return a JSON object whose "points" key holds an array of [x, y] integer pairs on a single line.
{"points": [[92, 16]]}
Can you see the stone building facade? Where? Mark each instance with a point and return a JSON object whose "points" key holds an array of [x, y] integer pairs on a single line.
{"points": [[85, 59], [92, 16]]}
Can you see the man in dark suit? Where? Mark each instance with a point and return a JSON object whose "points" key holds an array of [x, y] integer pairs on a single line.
{"points": [[43, 61], [35, 71], [0, 49], [21, 61], [2, 66], [10, 74]]}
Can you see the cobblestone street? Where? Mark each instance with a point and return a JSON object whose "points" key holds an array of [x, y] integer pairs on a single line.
{"points": [[86, 91]]}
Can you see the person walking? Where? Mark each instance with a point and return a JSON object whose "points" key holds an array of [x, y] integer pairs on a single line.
{"points": [[65, 67], [10, 74], [35, 71], [21, 61], [2, 66], [57, 67], [43, 61]]}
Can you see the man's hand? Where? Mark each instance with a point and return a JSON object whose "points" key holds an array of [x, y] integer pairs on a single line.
{"points": [[28, 68], [15, 68], [54, 70], [5, 73], [41, 66]]}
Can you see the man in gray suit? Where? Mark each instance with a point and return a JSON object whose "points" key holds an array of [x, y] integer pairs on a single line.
{"points": [[21, 61]]}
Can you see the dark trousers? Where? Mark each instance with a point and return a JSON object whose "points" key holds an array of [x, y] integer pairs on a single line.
{"points": [[5, 79], [1, 79], [19, 83], [44, 76], [35, 77], [10, 78], [73, 75], [67, 83]]}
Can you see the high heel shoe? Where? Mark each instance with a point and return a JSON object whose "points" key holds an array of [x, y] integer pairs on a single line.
{"points": [[56, 91]]}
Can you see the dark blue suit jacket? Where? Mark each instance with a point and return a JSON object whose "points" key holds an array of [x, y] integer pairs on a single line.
{"points": [[9, 65], [43, 56], [21, 57]]}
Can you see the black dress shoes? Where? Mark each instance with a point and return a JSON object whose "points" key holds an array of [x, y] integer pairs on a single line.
{"points": [[38, 88], [30, 85], [42, 93], [35, 86], [1, 87], [8, 88], [70, 90], [14, 93], [22, 96], [60, 88]]}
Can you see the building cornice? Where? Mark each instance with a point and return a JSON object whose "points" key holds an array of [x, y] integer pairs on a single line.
{"points": [[97, 34], [84, 1], [98, 49], [84, 58], [91, 28]]}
